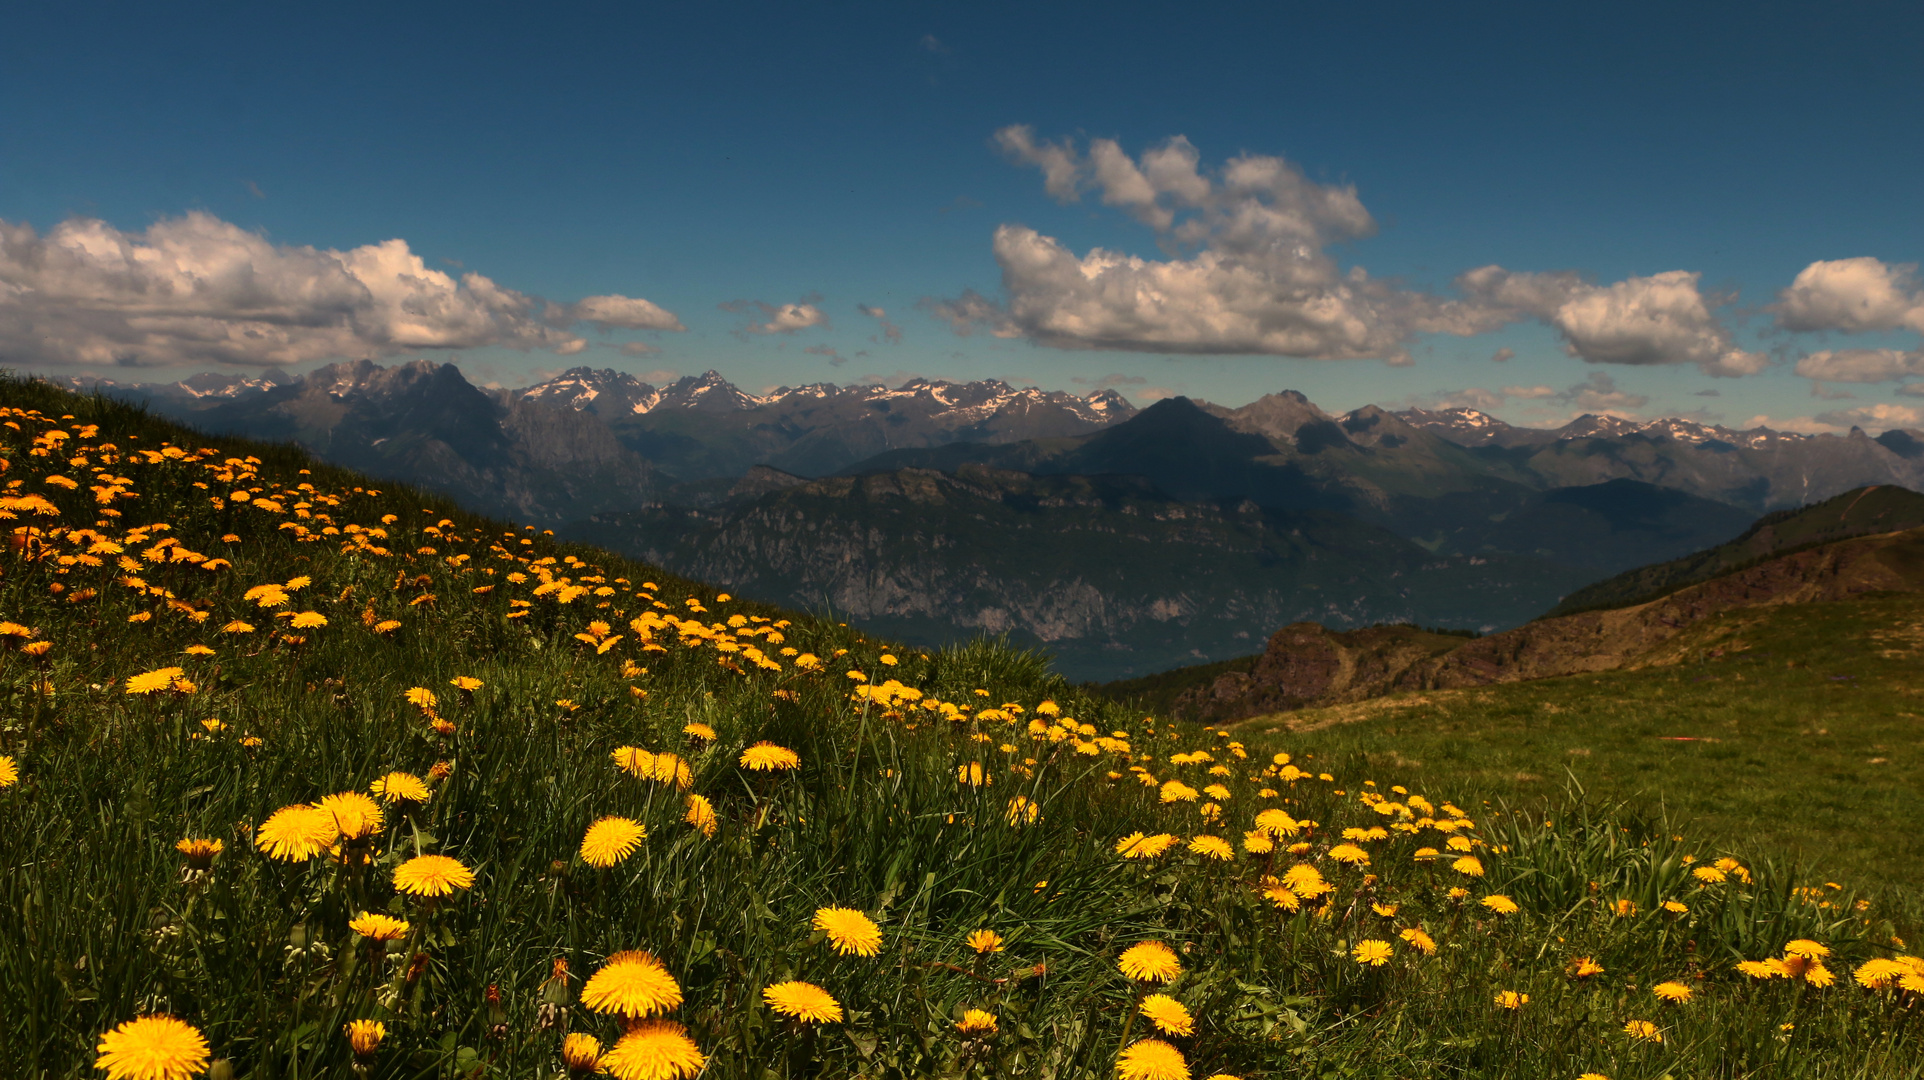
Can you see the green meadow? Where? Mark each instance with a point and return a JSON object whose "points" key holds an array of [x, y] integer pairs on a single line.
{"points": [[381, 706]]}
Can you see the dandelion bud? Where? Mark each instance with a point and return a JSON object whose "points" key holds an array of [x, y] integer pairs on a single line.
{"points": [[581, 1052], [221, 1070]]}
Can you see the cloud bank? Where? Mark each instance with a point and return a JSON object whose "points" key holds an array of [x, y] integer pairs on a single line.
{"points": [[196, 289], [1249, 272]]}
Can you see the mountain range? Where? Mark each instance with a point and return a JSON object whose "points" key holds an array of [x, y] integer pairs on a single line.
{"points": [[1124, 541]]}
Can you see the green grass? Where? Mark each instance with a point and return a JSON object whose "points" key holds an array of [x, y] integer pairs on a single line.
{"points": [[1795, 728], [103, 922]]}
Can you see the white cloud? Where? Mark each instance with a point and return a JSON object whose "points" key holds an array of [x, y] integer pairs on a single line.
{"points": [[779, 318], [1503, 355], [571, 346], [1880, 416], [196, 289], [1259, 280], [1061, 172], [1529, 393], [1249, 272], [1661, 319], [1861, 365], [891, 333], [625, 313], [1853, 295]]}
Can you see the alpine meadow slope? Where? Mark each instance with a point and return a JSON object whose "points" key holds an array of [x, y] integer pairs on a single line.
{"points": [[315, 776]]}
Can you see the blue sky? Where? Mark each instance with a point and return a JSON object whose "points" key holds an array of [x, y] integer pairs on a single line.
{"points": [[769, 157]]}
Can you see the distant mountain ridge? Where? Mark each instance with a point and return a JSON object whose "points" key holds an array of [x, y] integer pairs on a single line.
{"points": [[1307, 665]]}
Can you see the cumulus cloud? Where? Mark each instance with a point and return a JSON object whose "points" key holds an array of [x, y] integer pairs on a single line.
{"points": [[891, 333], [1661, 319], [779, 318], [1503, 355], [1853, 295], [1880, 416], [1249, 272], [625, 313], [196, 289], [1861, 365]]}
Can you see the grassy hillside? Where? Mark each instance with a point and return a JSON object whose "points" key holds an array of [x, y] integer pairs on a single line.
{"points": [[1794, 727], [249, 738], [1882, 508]]}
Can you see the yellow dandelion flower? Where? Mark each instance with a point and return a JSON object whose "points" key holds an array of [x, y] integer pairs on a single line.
{"points": [[1500, 904], [1643, 1031], [296, 833], [355, 815], [1674, 992], [803, 1001], [400, 787], [699, 731], [1760, 969], [198, 650], [631, 984], [1371, 953], [1212, 847], [308, 620], [1138, 846], [465, 682], [1177, 791], [237, 627], [581, 1052], [1149, 961], [1583, 967], [377, 927], [365, 1036], [1878, 973], [148, 682], [1510, 999], [1624, 909], [1809, 950], [610, 840], [1152, 1059], [421, 697], [432, 875], [976, 1023], [387, 626], [1468, 866], [200, 853], [1675, 907], [152, 1048], [1170, 1016], [1418, 939], [9, 771], [849, 931], [1710, 875], [701, 814], [768, 757], [985, 942], [1350, 855], [1256, 842], [654, 1050], [1278, 824], [1387, 911]]}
